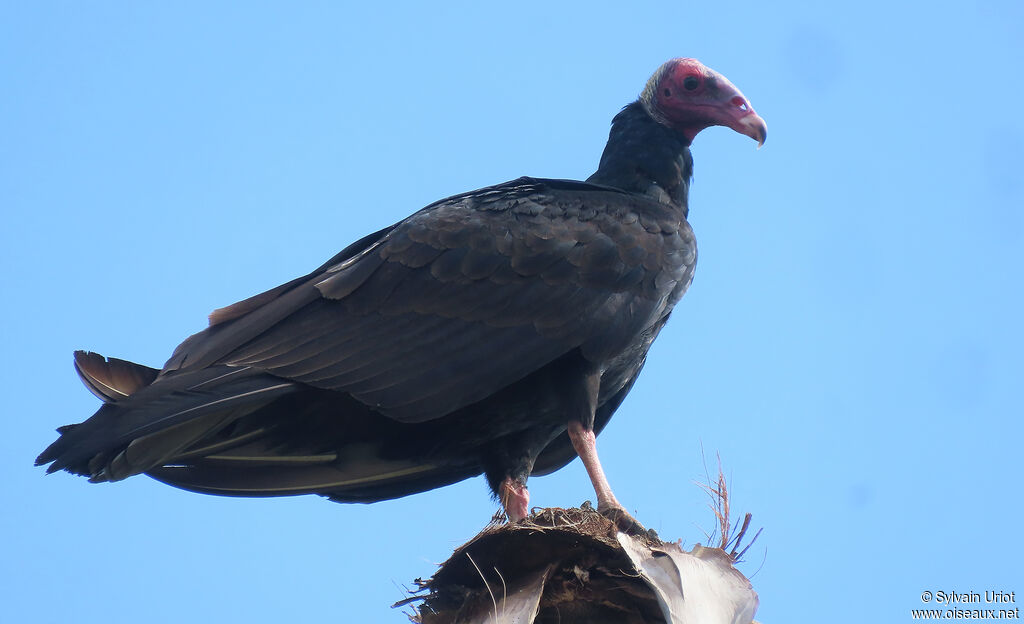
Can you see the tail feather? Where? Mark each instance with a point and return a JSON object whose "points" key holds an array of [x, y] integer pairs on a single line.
{"points": [[155, 422], [237, 431], [379, 480], [158, 448], [111, 379]]}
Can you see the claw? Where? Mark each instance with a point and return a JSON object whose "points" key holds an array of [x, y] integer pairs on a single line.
{"points": [[625, 521]]}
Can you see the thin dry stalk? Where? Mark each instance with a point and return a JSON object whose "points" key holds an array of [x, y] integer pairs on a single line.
{"points": [[730, 536]]}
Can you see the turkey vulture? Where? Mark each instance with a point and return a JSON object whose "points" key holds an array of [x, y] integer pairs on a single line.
{"points": [[491, 332]]}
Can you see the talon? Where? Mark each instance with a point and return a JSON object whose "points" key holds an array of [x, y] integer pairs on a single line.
{"points": [[624, 521]]}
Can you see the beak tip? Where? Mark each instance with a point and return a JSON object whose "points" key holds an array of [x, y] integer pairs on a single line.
{"points": [[754, 127], [760, 133]]}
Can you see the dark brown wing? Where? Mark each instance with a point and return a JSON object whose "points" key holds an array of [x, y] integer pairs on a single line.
{"points": [[416, 321], [465, 297]]}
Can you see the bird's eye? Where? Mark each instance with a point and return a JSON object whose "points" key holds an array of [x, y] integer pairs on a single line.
{"points": [[690, 83]]}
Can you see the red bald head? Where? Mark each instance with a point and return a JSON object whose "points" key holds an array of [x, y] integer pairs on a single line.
{"points": [[688, 97]]}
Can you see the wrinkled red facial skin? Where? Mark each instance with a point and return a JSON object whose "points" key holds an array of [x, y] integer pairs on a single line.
{"points": [[689, 97]]}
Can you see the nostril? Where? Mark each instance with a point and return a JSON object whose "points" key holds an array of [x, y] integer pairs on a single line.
{"points": [[740, 103]]}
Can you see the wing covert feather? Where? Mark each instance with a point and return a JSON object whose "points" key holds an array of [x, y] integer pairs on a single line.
{"points": [[468, 296]]}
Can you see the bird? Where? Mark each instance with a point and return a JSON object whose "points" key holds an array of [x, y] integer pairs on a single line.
{"points": [[493, 332]]}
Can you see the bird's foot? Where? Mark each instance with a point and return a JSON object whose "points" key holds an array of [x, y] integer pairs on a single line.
{"points": [[623, 520], [515, 498]]}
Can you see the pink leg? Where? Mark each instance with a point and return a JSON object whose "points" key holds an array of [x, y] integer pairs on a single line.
{"points": [[585, 443], [515, 498]]}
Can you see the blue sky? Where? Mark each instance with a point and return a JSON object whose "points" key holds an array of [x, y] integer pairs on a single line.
{"points": [[851, 345]]}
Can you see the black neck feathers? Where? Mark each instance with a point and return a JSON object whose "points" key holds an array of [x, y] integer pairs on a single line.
{"points": [[646, 157]]}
